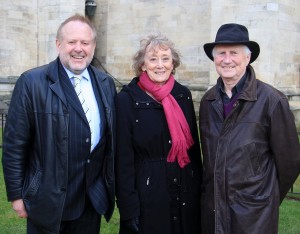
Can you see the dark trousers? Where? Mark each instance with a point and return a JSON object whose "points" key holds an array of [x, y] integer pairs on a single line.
{"points": [[89, 222]]}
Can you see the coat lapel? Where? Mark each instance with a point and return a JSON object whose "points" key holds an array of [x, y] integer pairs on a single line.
{"points": [[70, 93], [101, 97], [102, 87]]}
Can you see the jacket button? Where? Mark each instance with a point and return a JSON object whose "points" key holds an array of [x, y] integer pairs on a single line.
{"points": [[88, 161], [170, 142], [175, 218], [175, 180], [87, 140]]}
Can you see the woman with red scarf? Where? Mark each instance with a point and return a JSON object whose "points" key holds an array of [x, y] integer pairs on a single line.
{"points": [[158, 163]]}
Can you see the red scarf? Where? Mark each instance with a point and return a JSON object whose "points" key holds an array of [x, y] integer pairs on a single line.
{"points": [[179, 129]]}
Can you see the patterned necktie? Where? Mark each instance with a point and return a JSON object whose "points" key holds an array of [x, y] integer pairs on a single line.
{"points": [[77, 87]]}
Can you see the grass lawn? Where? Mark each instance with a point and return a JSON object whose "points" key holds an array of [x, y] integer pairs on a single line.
{"points": [[290, 212]]}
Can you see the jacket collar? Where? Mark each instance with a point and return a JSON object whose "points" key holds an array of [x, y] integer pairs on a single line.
{"points": [[136, 92], [249, 92], [52, 74]]}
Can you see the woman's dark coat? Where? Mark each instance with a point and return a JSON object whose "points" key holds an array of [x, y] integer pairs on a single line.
{"points": [[250, 159], [165, 197]]}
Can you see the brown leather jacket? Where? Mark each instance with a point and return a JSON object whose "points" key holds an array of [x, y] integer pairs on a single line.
{"points": [[250, 159]]}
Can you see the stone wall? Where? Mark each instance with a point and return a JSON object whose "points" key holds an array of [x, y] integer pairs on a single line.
{"points": [[123, 23], [18, 44], [28, 30], [190, 24]]}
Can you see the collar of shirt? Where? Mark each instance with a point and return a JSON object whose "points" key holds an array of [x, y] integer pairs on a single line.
{"points": [[236, 89], [85, 74]]}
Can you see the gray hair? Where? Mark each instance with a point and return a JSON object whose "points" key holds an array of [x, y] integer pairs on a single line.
{"points": [[154, 40]]}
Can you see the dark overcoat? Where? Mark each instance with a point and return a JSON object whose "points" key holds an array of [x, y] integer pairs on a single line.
{"points": [[165, 197], [36, 145], [250, 159]]}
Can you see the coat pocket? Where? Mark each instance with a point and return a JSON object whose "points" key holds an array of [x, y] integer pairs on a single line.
{"points": [[34, 184], [248, 212]]}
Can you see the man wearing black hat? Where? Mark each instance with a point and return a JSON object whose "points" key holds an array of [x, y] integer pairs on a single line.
{"points": [[251, 152]]}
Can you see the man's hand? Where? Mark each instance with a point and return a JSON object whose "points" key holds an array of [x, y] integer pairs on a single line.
{"points": [[19, 208]]}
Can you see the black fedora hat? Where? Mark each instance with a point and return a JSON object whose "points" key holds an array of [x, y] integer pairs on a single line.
{"points": [[231, 34]]}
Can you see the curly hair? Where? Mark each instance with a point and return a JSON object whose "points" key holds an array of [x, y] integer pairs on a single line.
{"points": [[152, 41]]}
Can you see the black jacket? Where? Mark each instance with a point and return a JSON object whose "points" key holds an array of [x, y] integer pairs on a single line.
{"points": [[165, 197], [250, 159], [35, 145]]}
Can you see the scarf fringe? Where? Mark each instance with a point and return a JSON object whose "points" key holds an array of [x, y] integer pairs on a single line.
{"points": [[179, 152]]}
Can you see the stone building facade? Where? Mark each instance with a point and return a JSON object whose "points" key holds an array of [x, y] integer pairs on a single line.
{"points": [[28, 31]]}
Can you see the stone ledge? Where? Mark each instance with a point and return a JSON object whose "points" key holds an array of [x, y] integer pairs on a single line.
{"points": [[8, 80], [294, 105]]}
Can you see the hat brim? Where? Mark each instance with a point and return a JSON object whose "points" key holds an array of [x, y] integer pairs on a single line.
{"points": [[252, 45]]}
